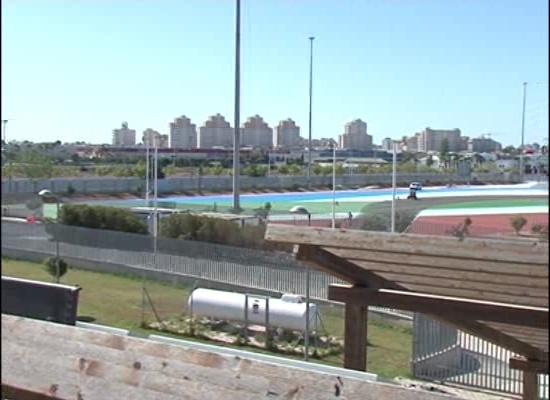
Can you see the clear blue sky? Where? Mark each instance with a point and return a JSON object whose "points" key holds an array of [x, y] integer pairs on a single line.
{"points": [[74, 70]]}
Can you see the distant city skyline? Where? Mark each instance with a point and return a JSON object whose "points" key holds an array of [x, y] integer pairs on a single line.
{"points": [[400, 66]]}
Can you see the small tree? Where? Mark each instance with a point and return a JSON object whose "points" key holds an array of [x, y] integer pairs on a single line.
{"points": [[52, 268], [540, 230], [518, 222]]}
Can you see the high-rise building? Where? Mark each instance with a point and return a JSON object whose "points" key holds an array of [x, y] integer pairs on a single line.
{"points": [[355, 136], [256, 133], [483, 145], [287, 134], [216, 132], [150, 136], [387, 144], [432, 139], [183, 134], [124, 137]]}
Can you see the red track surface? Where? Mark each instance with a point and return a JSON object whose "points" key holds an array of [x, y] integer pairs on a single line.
{"points": [[482, 225]]}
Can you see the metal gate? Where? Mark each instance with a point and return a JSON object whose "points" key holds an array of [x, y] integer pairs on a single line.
{"points": [[444, 353]]}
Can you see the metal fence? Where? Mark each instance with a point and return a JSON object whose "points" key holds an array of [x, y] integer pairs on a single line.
{"points": [[440, 352], [444, 353], [257, 269]]}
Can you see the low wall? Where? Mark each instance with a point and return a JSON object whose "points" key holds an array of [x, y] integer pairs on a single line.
{"points": [[224, 183]]}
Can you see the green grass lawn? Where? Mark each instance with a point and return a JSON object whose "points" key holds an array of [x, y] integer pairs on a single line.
{"points": [[117, 301], [495, 204]]}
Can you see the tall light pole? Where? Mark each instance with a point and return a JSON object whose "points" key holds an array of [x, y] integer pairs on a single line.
{"points": [[147, 173], [393, 184], [521, 166], [333, 186], [4, 127], [156, 192], [237, 122], [311, 38]]}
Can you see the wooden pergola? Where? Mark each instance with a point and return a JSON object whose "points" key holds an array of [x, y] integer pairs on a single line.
{"points": [[494, 289]]}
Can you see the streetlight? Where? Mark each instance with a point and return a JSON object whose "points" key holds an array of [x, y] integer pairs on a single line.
{"points": [[304, 211], [311, 38], [45, 193], [521, 164], [237, 134], [393, 184], [334, 186], [521, 167]]}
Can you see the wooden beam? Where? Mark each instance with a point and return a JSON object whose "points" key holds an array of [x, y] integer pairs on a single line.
{"points": [[451, 306], [447, 264], [15, 392], [355, 337], [340, 267], [457, 287], [470, 249], [530, 386], [523, 364]]}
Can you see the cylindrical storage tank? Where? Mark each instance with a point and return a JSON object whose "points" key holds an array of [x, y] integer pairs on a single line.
{"points": [[231, 306]]}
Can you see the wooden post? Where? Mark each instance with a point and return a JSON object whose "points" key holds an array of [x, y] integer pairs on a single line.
{"points": [[355, 337], [530, 385]]}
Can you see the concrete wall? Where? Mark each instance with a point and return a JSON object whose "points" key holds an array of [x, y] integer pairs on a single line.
{"points": [[192, 183]]}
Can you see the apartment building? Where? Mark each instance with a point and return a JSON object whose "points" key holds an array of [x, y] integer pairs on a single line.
{"points": [[432, 140], [183, 133], [124, 136], [255, 132], [287, 135], [355, 136], [216, 132], [150, 137]]}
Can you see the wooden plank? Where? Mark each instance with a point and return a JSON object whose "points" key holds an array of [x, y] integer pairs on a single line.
{"points": [[455, 307], [474, 277], [476, 290], [472, 249], [340, 267], [18, 393], [530, 386], [78, 363], [460, 289], [537, 366], [446, 265], [355, 337]]}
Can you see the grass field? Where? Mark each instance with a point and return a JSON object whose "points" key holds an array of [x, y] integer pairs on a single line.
{"points": [[117, 301], [414, 207]]}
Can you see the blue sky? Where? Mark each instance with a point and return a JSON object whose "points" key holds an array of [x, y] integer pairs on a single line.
{"points": [[74, 70]]}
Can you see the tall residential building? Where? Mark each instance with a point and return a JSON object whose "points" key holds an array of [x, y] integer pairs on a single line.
{"points": [[483, 145], [124, 136], [432, 139], [256, 132], [149, 137], [387, 144], [183, 134], [216, 132], [355, 136], [287, 134]]}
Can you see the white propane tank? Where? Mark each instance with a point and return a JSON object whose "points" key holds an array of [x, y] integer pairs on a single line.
{"points": [[231, 306]]}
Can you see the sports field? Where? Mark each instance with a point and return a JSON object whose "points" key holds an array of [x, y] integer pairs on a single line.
{"points": [[319, 204]]}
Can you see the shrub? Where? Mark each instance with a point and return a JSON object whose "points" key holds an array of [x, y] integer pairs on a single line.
{"points": [[213, 230], [101, 217], [382, 223], [70, 189], [540, 230], [518, 222], [51, 267]]}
